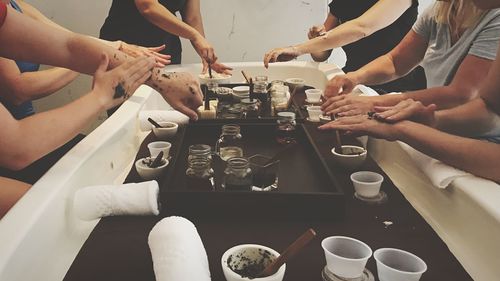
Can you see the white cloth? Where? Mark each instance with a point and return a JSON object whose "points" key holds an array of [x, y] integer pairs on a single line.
{"points": [[160, 116], [440, 174], [99, 201], [178, 252]]}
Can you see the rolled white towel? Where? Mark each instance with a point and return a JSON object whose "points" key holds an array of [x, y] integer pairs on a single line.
{"points": [[160, 116], [94, 202], [178, 252]]}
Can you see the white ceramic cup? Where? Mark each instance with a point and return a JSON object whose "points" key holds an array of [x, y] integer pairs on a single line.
{"points": [[169, 130], [367, 184], [157, 146], [350, 162], [314, 113], [314, 95], [295, 83], [398, 265], [147, 173], [233, 258], [346, 257]]}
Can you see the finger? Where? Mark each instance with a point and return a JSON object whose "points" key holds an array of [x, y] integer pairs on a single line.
{"points": [[352, 112], [381, 109], [138, 82], [331, 101], [342, 109], [137, 70], [103, 64], [157, 49], [205, 67], [186, 110], [266, 60], [275, 56]]}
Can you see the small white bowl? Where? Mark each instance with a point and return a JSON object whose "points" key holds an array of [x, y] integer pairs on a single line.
{"points": [[314, 95], [398, 265], [353, 161], [345, 256], [295, 83], [216, 77], [241, 90], [233, 258], [367, 184], [157, 146], [148, 173], [314, 113], [169, 130]]}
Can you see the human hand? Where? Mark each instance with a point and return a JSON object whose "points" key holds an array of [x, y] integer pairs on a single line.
{"points": [[339, 85], [180, 89], [281, 54], [127, 78], [348, 105], [316, 31], [217, 67], [204, 49], [360, 125], [137, 51], [407, 110]]}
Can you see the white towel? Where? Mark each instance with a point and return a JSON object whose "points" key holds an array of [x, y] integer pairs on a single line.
{"points": [[160, 116], [99, 201], [178, 252], [440, 174]]}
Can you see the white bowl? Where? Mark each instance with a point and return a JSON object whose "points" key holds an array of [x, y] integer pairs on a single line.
{"points": [[347, 161], [314, 95], [157, 146], [367, 184], [148, 173], [216, 77], [169, 130], [295, 83], [314, 113], [241, 90], [345, 256], [233, 257], [398, 265]]}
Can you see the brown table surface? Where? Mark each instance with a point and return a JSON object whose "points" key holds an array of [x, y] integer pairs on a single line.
{"points": [[117, 248]]}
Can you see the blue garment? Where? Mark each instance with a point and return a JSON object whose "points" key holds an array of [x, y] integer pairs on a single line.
{"points": [[26, 109]]}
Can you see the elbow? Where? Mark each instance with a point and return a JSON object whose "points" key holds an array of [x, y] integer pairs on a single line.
{"points": [[461, 95], [145, 9], [18, 163], [15, 94]]}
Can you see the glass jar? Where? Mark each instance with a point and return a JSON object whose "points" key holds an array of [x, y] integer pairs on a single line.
{"points": [[230, 142], [200, 161], [260, 84], [238, 175], [251, 108], [285, 129]]}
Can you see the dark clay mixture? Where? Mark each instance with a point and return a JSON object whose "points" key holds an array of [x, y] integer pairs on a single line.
{"points": [[248, 268]]}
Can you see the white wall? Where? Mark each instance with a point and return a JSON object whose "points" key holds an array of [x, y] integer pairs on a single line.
{"points": [[240, 30]]}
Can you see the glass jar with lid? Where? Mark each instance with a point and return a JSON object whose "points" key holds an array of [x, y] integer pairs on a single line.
{"points": [[251, 108], [230, 143], [238, 175], [285, 128], [199, 171]]}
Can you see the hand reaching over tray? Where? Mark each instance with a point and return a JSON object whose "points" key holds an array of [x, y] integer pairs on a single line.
{"points": [[180, 89]]}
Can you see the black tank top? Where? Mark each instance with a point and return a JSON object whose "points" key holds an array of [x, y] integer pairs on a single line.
{"points": [[125, 22]]}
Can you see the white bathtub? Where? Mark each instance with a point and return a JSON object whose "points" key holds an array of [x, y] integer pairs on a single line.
{"points": [[41, 226]]}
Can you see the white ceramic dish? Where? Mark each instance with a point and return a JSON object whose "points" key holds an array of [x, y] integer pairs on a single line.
{"points": [[169, 130], [367, 184], [237, 256], [345, 256], [398, 265], [353, 161], [148, 173], [216, 77]]}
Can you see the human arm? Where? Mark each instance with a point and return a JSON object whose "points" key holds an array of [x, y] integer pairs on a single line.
{"points": [[471, 155], [345, 33], [19, 87], [10, 193], [317, 31]]}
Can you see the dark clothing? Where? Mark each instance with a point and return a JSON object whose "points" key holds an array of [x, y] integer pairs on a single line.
{"points": [[26, 109], [379, 43], [37, 169], [125, 22]]}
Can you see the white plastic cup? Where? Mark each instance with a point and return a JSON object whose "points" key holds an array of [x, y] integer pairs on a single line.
{"points": [[367, 184], [314, 95], [157, 146], [345, 256], [398, 265], [314, 113]]}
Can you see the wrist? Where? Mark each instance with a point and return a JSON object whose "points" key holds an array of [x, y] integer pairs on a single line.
{"points": [[401, 130], [353, 77], [98, 101]]}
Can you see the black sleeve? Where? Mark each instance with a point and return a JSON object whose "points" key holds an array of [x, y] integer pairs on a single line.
{"points": [[335, 6]]}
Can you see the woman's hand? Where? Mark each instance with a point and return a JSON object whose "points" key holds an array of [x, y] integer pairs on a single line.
{"points": [[316, 31], [204, 49], [180, 89], [363, 125], [281, 54], [407, 110], [348, 105], [138, 51], [217, 67], [125, 78], [339, 85]]}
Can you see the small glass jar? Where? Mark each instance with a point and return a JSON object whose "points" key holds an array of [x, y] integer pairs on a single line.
{"points": [[251, 108], [230, 143], [260, 84], [238, 175], [200, 162], [285, 129], [212, 86]]}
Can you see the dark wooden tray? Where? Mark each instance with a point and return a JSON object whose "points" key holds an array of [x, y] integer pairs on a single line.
{"points": [[307, 187]]}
